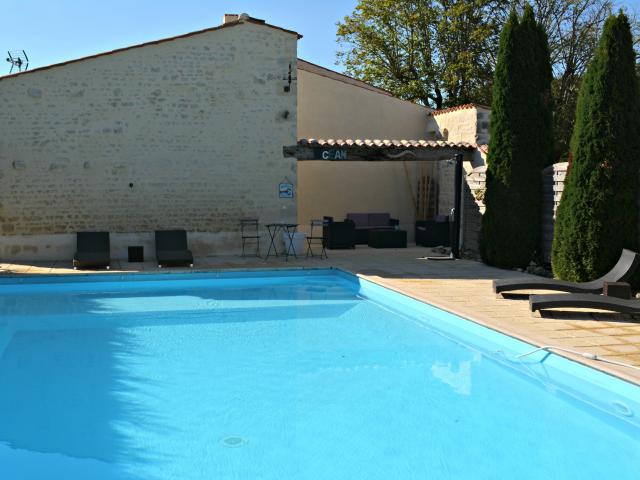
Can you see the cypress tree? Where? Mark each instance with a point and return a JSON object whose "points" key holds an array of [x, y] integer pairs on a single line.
{"points": [[598, 214], [521, 144]]}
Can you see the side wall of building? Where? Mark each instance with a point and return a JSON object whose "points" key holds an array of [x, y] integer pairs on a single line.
{"points": [[330, 108], [467, 124], [186, 134]]}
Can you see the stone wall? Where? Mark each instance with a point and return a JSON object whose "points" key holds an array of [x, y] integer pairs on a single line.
{"points": [[552, 187], [184, 133], [466, 123], [473, 208]]}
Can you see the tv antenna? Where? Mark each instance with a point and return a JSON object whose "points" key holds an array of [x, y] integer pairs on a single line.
{"points": [[18, 59]]}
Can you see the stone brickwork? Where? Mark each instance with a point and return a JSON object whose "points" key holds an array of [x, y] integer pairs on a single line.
{"points": [[462, 124], [552, 187], [184, 133], [474, 189], [553, 178], [467, 123]]}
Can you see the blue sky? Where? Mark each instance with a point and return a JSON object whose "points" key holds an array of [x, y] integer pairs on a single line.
{"points": [[52, 31]]}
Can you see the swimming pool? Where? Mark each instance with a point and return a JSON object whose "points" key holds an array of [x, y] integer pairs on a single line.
{"points": [[287, 374]]}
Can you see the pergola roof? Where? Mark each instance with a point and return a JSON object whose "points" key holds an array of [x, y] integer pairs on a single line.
{"points": [[375, 149]]}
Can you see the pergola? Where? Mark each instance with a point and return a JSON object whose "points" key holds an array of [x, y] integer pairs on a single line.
{"points": [[390, 150]]}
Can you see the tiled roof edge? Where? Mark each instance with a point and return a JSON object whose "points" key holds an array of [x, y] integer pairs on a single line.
{"points": [[459, 107], [153, 42], [366, 142]]}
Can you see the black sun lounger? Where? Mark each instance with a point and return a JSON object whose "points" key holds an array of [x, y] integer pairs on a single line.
{"points": [[583, 300], [621, 272], [172, 249], [92, 250]]}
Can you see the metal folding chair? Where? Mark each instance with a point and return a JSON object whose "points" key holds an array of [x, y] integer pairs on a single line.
{"points": [[249, 232], [315, 239]]}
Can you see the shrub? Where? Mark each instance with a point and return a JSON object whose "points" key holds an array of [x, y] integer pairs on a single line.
{"points": [[521, 144], [598, 214]]}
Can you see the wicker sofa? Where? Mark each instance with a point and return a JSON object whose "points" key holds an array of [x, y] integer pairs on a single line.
{"points": [[365, 222]]}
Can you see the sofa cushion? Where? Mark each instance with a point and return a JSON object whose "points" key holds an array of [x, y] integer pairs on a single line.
{"points": [[360, 219], [379, 219]]}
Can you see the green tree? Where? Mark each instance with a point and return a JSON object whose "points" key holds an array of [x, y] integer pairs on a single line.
{"points": [[598, 214], [443, 52], [438, 53], [521, 143], [573, 28]]}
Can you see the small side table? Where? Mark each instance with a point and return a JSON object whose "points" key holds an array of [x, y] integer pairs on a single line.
{"points": [[136, 254], [617, 290]]}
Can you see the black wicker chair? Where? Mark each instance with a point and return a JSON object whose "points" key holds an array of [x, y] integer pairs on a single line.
{"points": [[338, 235]]}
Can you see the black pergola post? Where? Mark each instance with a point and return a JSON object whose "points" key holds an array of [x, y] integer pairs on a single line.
{"points": [[457, 207]]}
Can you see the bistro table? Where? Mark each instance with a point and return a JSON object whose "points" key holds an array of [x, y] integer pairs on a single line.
{"points": [[288, 229]]}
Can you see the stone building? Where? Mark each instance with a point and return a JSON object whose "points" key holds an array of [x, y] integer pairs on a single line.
{"points": [[188, 132]]}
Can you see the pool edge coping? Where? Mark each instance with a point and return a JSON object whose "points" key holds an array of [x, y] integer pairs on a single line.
{"points": [[485, 321]]}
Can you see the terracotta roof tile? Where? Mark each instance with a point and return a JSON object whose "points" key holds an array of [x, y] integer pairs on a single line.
{"points": [[459, 107], [378, 143]]}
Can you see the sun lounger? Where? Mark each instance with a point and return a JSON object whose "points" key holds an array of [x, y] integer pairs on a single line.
{"points": [[584, 300], [92, 250], [621, 272], [172, 249]]}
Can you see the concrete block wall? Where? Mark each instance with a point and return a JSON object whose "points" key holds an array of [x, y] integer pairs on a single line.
{"points": [[180, 134]]}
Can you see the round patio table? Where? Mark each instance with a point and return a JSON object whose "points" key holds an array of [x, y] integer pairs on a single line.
{"points": [[289, 229]]}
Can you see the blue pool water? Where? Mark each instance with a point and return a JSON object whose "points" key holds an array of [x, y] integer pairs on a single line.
{"points": [[289, 375]]}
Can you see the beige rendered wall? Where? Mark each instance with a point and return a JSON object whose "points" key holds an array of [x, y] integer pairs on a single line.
{"points": [[338, 188], [330, 108], [186, 133]]}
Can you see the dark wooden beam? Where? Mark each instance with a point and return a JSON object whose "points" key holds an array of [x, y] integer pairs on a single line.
{"points": [[354, 153]]}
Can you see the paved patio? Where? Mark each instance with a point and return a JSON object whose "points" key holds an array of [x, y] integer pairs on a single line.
{"points": [[462, 287]]}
